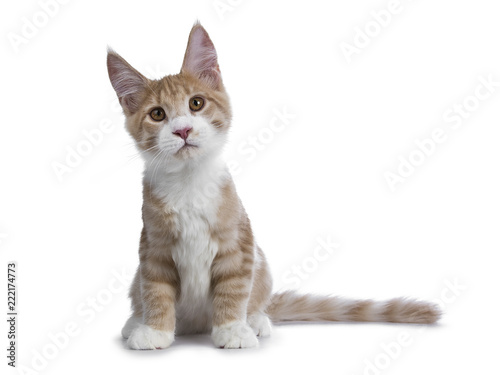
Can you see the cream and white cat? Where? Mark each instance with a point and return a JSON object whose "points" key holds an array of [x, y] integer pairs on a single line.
{"points": [[200, 267]]}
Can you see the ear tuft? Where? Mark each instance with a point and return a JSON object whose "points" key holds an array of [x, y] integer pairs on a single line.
{"points": [[200, 59], [128, 83]]}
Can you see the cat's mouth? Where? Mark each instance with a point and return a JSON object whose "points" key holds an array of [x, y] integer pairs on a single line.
{"points": [[186, 146]]}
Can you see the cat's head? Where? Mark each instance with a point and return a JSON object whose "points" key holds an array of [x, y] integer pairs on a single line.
{"points": [[179, 118]]}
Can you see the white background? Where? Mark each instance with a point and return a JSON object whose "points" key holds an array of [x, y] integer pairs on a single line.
{"points": [[322, 176]]}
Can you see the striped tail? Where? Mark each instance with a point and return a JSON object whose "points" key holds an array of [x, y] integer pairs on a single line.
{"points": [[289, 306]]}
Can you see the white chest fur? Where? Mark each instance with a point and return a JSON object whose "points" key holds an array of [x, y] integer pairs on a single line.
{"points": [[193, 256], [195, 201]]}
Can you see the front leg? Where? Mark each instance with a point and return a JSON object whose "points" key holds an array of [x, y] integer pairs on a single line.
{"points": [[158, 289], [232, 274]]}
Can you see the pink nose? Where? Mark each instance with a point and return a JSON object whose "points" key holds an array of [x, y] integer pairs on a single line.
{"points": [[183, 133]]}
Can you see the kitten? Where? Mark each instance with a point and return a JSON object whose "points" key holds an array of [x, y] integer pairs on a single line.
{"points": [[200, 267]]}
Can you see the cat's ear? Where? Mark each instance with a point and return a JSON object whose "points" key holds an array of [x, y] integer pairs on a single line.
{"points": [[200, 59], [128, 83]]}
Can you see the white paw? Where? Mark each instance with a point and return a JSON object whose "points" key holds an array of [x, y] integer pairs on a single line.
{"points": [[131, 324], [260, 324], [143, 337], [234, 335]]}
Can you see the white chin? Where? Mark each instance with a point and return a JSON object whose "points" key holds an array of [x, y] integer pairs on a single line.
{"points": [[186, 152]]}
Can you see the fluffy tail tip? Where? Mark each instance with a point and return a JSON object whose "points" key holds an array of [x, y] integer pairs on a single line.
{"points": [[402, 310]]}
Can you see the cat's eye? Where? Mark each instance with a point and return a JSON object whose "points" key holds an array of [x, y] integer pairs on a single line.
{"points": [[157, 114], [196, 103]]}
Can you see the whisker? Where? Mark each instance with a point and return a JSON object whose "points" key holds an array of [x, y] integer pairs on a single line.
{"points": [[156, 168], [139, 153]]}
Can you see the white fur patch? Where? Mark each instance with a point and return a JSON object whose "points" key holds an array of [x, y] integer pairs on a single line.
{"points": [[205, 144], [144, 337], [193, 257], [260, 324], [131, 324], [195, 200], [234, 335]]}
